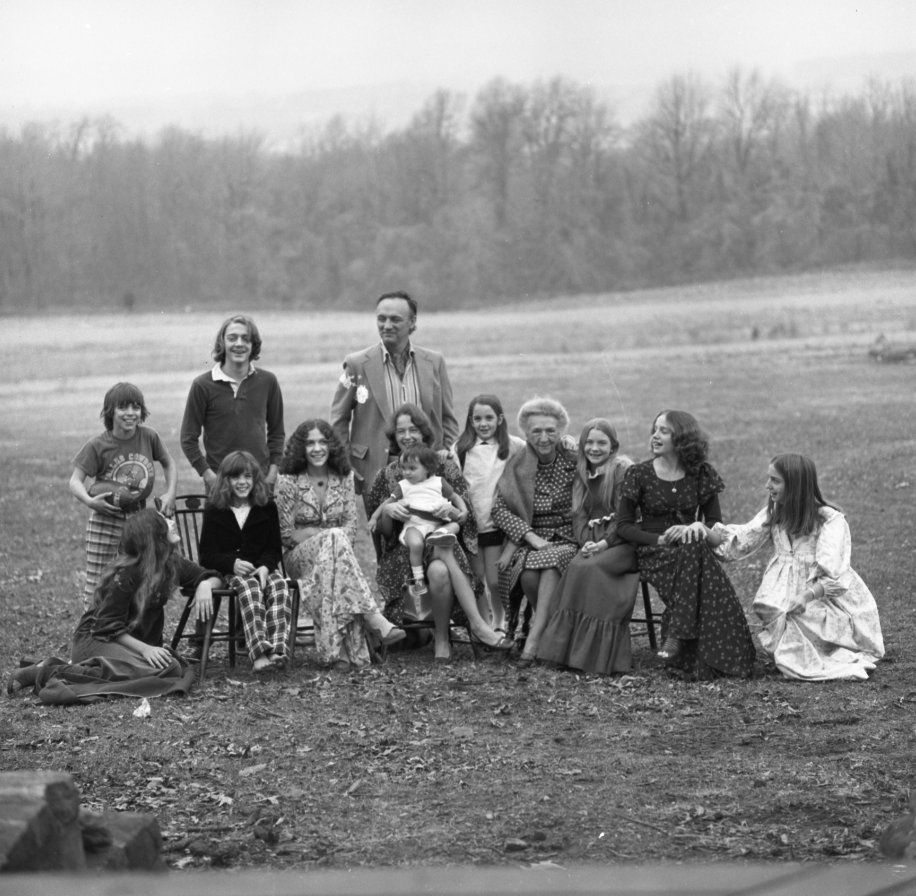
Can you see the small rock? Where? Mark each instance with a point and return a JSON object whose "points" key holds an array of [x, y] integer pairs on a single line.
{"points": [[513, 844], [268, 835]]}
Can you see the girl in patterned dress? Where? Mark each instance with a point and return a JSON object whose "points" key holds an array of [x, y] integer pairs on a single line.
{"points": [[677, 494], [820, 621], [316, 499]]}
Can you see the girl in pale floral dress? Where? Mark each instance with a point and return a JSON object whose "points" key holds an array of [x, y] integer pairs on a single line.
{"points": [[317, 503], [820, 621]]}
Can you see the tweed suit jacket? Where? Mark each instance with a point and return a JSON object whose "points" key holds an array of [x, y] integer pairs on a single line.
{"points": [[360, 411]]}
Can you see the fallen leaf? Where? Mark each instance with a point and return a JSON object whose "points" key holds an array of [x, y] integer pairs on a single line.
{"points": [[462, 731], [252, 770], [143, 710], [354, 787]]}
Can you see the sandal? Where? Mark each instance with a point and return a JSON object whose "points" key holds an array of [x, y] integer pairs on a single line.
{"points": [[503, 645], [671, 649], [441, 538], [394, 636], [417, 589]]}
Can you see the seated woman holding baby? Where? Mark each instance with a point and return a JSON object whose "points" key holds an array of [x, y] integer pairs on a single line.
{"points": [[441, 586]]}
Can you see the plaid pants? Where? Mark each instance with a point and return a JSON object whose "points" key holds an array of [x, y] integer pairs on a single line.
{"points": [[265, 614], [103, 535]]}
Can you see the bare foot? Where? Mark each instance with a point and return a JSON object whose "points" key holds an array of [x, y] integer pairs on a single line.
{"points": [[442, 650], [261, 664]]}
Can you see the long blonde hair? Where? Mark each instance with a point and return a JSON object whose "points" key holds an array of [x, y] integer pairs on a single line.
{"points": [[609, 481]]}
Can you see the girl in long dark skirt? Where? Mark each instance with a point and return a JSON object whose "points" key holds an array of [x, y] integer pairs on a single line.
{"points": [[117, 647]]}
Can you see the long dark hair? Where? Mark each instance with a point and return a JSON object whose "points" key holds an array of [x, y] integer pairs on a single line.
{"points": [[418, 418], [295, 460], [799, 511], [468, 438], [145, 546], [608, 484], [234, 464], [691, 444]]}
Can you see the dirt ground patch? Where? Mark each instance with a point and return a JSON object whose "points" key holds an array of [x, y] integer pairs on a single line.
{"points": [[479, 762]]}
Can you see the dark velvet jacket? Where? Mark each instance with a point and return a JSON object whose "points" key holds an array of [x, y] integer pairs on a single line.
{"points": [[222, 542]]}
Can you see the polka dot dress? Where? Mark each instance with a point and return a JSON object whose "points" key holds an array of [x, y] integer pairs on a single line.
{"points": [[552, 520]]}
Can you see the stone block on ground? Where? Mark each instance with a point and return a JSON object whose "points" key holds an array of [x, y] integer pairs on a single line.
{"points": [[39, 826], [135, 842]]}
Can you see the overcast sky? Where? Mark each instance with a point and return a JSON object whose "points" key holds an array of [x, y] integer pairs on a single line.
{"points": [[73, 53]]}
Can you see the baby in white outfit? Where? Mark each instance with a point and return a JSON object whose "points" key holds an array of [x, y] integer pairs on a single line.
{"points": [[436, 510]]}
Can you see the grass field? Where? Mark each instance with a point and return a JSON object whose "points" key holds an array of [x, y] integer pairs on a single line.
{"points": [[414, 764]]}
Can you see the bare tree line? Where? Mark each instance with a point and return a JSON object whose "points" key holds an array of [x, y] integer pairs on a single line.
{"points": [[524, 190]]}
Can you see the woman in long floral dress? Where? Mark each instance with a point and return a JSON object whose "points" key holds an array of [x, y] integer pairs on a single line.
{"points": [[677, 495], [317, 503]]}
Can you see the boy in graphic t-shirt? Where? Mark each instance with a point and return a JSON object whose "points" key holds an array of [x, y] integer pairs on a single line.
{"points": [[125, 453]]}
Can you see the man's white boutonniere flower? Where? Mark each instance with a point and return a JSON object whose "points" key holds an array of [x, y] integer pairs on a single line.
{"points": [[346, 381], [362, 394]]}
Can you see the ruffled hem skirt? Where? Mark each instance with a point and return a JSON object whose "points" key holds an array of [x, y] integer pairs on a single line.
{"points": [[589, 629]]}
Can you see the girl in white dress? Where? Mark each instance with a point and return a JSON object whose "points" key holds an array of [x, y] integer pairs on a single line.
{"points": [[820, 621], [481, 453]]}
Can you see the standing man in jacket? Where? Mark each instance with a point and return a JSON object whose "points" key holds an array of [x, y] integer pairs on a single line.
{"points": [[378, 379]]}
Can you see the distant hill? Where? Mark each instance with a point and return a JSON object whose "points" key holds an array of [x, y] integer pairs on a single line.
{"points": [[283, 118]]}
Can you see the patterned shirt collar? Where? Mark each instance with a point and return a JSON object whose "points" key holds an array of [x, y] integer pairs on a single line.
{"points": [[386, 355]]}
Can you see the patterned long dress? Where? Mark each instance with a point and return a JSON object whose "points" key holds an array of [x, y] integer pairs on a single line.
{"points": [[394, 560], [331, 583], [552, 520], [838, 635], [701, 606]]}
